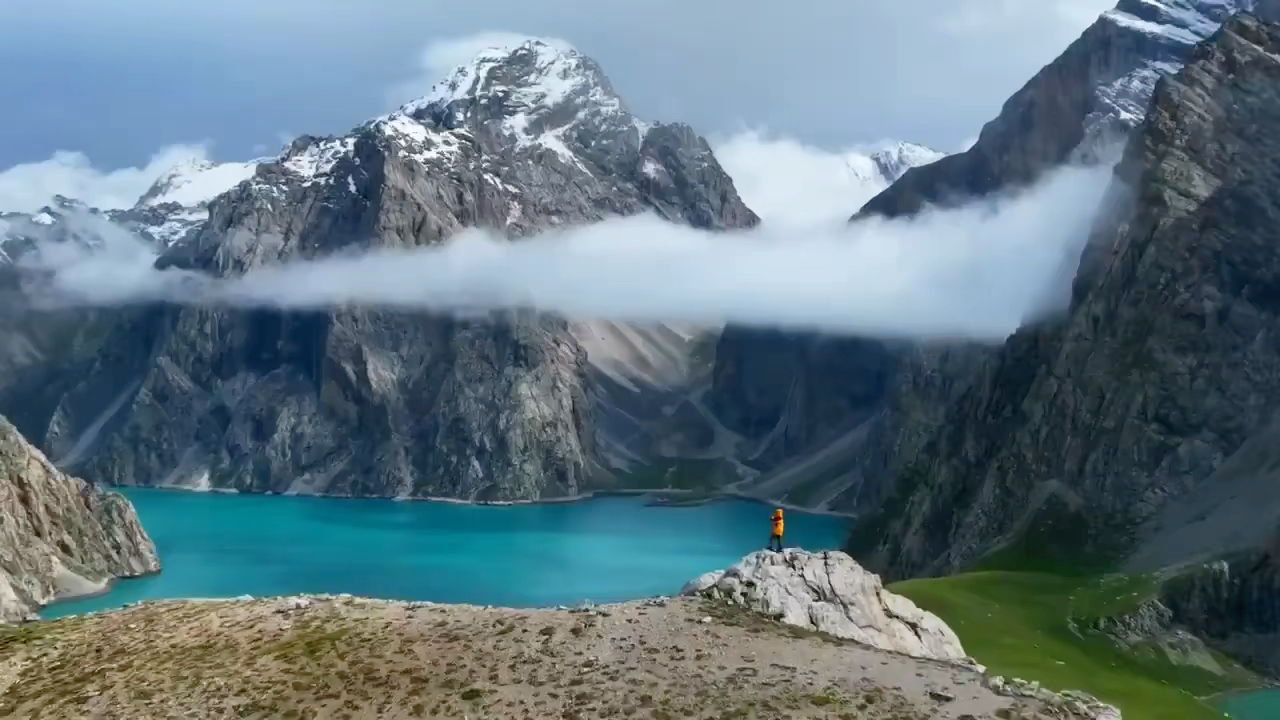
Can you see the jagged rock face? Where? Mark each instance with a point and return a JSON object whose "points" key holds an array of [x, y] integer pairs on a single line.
{"points": [[59, 536], [1233, 604], [367, 402], [831, 593], [1086, 100], [1167, 360], [1078, 107]]}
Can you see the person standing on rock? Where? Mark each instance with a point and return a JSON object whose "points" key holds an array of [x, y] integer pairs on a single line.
{"points": [[775, 538]]}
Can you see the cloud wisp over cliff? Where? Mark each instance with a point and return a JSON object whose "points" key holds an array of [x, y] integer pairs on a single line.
{"points": [[977, 271]]}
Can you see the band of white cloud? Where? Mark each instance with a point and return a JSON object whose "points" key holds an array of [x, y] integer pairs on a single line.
{"points": [[31, 186], [976, 272]]}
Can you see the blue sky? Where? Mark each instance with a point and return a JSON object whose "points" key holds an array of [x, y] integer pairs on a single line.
{"points": [[117, 80]]}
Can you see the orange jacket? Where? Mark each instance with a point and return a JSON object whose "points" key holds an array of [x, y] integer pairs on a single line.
{"points": [[777, 523]]}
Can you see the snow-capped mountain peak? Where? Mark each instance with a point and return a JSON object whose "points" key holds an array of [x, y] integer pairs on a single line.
{"points": [[534, 92], [195, 182], [531, 77], [894, 160], [530, 96], [177, 202]]}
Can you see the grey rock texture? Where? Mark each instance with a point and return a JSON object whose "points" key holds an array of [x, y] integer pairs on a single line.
{"points": [[1066, 704], [1080, 107], [1166, 361], [361, 401], [1090, 97], [59, 537], [1233, 604], [830, 593]]}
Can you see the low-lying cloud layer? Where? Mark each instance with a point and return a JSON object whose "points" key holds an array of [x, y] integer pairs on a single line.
{"points": [[976, 272]]}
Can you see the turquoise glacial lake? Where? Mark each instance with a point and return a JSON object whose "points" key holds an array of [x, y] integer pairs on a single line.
{"points": [[215, 545], [1257, 705]]}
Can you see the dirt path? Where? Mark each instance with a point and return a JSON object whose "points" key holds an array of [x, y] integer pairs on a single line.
{"points": [[354, 658]]}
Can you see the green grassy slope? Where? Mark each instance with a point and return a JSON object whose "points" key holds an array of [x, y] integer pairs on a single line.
{"points": [[1034, 625]]}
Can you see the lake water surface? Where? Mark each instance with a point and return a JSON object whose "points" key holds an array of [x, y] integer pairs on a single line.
{"points": [[603, 550], [1257, 705]]}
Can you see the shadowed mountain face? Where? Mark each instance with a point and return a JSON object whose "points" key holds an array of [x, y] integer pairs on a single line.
{"points": [[1079, 108], [364, 402], [1167, 361]]}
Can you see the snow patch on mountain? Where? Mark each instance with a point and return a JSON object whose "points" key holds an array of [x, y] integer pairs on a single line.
{"points": [[536, 93], [1170, 31], [196, 182], [894, 160], [417, 141], [1171, 24], [313, 159], [174, 205]]}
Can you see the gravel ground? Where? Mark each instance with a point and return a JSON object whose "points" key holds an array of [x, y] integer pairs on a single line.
{"points": [[354, 658]]}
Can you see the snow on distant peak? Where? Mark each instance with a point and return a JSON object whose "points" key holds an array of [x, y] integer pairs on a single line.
{"points": [[1168, 28], [1182, 21], [895, 160], [315, 160], [879, 165], [535, 91], [195, 182]]}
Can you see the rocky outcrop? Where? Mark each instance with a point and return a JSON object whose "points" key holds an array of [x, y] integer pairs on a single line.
{"points": [[359, 401], [1165, 362], [1233, 604], [1066, 704], [59, 537], [831, 593]]}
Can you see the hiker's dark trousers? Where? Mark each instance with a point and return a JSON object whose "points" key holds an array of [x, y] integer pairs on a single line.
{"points": [[775, 543]]}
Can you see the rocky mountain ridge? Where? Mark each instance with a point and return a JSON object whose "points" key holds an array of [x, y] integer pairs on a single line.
{"points": [[363, 402], [1163, 366], [840, 419], [1078, 107]]}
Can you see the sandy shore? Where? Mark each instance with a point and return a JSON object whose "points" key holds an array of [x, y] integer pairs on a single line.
{"points": [[354, 658]]}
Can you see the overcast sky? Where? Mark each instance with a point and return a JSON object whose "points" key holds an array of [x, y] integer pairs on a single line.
{"points": [[118, 79]]}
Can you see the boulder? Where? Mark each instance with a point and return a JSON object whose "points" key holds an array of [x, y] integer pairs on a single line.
{"points": [[831, 593]]}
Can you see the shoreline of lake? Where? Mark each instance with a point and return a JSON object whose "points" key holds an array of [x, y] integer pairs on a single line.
{"points": [[665, 497], [1220, 701]]}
